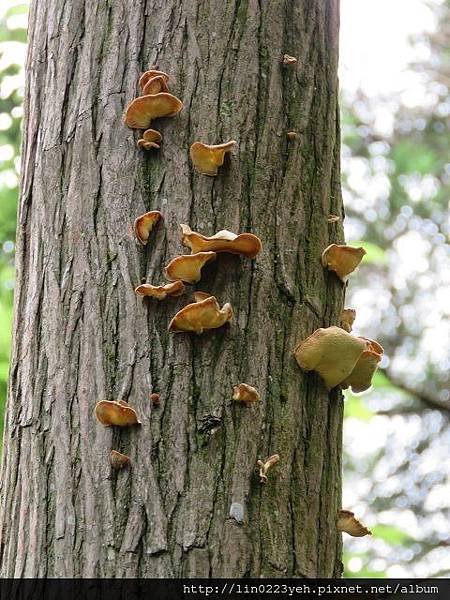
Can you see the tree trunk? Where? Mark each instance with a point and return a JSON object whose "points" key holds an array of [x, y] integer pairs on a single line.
{"points": [[191, 504]]}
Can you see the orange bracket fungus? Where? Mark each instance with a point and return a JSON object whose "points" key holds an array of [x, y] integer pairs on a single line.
{"points": [[265, 466], [360, 379], [347, 319], [208, 159], [289, 60], [201, 315], [332, 352], [342, 259], [188, 266], [116, 412], [141, 111], [347, 522], [150, 139], [160, 292], [118, 461], [245, 244], [155, 398], [292, 135], [148, 76], [339, 358], [245, 393], [144, 224]]}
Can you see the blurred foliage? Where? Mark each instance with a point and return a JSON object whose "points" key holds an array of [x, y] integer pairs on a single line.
{"points": [[396, 184], [12, 53], [396, 190]]}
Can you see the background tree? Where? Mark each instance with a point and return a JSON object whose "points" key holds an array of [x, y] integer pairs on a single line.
{"points": [[80, 333]]}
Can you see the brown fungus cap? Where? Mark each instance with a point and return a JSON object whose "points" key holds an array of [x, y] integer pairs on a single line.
{"points": [[118, 461], [144, 224], [347, 522], [245, 244], [289, 60], [149, 75], [198, 296], [116, 412], [343, 260], [347, 318], [360, 379], [155, 398], [245, 393], [188, 267], [156, 85], [150, 139], [208, 159], [141, 111], [332, 352], [202, 315], [160, 292], [264, 467]]}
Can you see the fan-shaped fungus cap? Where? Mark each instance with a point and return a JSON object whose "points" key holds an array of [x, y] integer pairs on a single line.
{"points": [[198, 316], [360, 379], [342, 259], [143, 110], [289, 60], [156, 84], [160, 292], [265, 466], [292, 135], [150, 139], [149, 75], [347, 319], [118, 460], [144, 224], [245, 244], [347, 522], [245, 393], [332, 352], [116, 412], [208, 159], [188, 266]]}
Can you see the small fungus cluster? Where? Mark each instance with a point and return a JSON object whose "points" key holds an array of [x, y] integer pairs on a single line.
{"points": [[340, 358]]}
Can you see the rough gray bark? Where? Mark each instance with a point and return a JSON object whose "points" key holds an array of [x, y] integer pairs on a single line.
{"points": [[81, 334]]}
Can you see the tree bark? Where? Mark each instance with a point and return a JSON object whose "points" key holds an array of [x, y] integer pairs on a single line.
{"points": [[191, 504]]}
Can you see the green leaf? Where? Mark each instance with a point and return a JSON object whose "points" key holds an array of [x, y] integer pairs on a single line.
{"points": [[392, 535], [374, 254], [355, 407]]}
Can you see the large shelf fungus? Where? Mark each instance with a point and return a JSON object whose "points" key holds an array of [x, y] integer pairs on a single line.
{"points": [[201, 315], [265, 466], [116, 412], [188, 267], [144, 224], [339, 358], [161, 292], [207, 159], [343, 260], [245, 244], [150, 139], [245, 393], [144, 109], [346, 521]]}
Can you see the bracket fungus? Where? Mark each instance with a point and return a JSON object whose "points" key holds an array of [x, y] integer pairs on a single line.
{"points": [[199, 296], [118, 461], [332, 352], [245, 244], [201, 315], [142, 110], [347, 522], [147, 77], [265, 466], [188, 266], [347, 318], [339, 358], [150, 139], [360, 379], [144, 224], [289, 60], [160, 292], [116, 412], [207, 159], [245, 393], [343, 260], [292, 135], [155, 398]]}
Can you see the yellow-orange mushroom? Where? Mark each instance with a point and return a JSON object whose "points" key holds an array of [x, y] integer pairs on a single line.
{"points": [[245, 244], [150, 139], [142, 110], [151, 74], [188, 267], [264, 467], [245, 393], [144, 224], [347, 319], [160, 292], [346, 521], [202, 315], [116, 412], [207, 159], [343, 260], [360, 379]]}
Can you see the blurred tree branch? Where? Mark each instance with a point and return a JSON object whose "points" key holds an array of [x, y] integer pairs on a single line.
{"points": [[429, 399]]}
